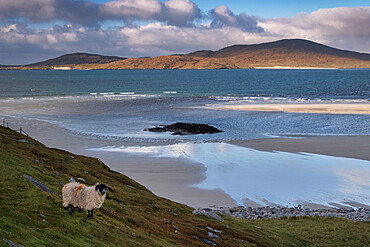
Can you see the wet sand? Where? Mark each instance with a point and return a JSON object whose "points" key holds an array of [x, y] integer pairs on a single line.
{"points": [[333, 108], [341, 146]]}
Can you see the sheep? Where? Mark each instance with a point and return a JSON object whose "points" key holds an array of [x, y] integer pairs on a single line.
{"points": [[81, 196]]}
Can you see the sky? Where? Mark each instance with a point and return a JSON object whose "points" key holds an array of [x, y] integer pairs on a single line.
{"points": [[35, 30]]}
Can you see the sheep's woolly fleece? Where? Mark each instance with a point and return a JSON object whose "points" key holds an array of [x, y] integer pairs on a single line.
{"points": [[81, 196]]}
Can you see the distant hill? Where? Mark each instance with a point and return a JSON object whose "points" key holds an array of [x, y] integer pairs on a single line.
{"points": [[287, 45], [76, 59], [286, 53]]}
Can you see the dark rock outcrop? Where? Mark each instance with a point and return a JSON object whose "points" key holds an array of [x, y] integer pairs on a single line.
{"points": [[39, 184], [185, 129]]}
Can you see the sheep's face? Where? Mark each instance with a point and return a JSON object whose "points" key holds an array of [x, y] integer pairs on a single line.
{"points": [[101, 188]]}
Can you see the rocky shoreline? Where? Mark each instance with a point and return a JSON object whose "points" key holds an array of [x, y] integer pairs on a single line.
{"points": [[360, 214]]}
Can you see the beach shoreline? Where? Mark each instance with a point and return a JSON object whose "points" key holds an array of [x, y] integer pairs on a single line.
{"points": [[356, 147], [175, 178], [332, 108]]}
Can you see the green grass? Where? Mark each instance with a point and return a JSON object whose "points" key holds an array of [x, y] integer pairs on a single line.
{"points": [[144, 220]]}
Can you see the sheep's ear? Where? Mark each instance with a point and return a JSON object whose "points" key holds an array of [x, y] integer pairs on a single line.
{"points": [[97, 186]]}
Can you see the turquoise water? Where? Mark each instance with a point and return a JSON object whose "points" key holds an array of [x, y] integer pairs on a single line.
{"points": [[121, 104], [291, 84]]}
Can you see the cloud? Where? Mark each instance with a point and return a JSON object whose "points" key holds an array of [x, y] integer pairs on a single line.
{"points": [[41, 11], [223, 17], [173, 12], [180, 12], [345, 28]]}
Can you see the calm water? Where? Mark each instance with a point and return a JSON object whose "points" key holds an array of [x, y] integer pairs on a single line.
{"points": [[294, 84], [271, 178]]}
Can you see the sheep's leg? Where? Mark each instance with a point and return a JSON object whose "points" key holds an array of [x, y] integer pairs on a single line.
{"points": [[89, 214], [70, 210], [92, 213]]}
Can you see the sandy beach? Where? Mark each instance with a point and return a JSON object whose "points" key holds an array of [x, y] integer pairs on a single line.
{"points": [[334, 108], [165, 177], [356, 147]]}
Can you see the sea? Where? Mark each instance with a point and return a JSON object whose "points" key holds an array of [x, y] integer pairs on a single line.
{"points": [[120, 104]]}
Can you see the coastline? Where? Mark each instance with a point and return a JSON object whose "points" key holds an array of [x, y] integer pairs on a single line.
{"points": [[169, 178], [174, 178], [332, 108], [290, 67]]}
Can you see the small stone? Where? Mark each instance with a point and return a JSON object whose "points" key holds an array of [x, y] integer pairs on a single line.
{"points": [[213, 230], [212, 235], [11, 243], [82, 180], [57, 173], [212, 215], [71, 179], [172, 212]]}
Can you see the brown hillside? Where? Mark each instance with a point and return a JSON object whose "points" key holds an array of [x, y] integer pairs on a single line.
{"points": [[286, 45], [295, 53], [76, 59], [291, 53]]}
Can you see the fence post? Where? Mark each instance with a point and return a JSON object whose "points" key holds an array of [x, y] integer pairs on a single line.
{"points": [[7, 125], [4, 122], [20, 130]]}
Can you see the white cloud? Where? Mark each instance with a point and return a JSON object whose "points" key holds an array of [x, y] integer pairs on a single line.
{"points": [[347, 28], [223, 17], [131, 9]]}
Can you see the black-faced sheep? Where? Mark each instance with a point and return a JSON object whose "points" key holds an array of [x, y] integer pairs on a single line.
{"points": [[77, 195]]}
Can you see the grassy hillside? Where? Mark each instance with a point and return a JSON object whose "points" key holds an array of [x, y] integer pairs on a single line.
{"points": [[132, 216]]}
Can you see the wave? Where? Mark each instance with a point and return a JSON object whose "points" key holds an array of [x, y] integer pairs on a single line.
{"points": [[79, 98], [271, 99]]}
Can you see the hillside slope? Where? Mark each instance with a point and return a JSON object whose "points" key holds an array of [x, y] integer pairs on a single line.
{"points": [[131, 215], [295, 53], [288, 45], [76, 59]]}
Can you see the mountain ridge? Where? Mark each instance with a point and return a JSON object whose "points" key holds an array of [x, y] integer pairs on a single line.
{"points": [[284, 43], [285, 53], [76, 59]]}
